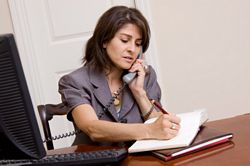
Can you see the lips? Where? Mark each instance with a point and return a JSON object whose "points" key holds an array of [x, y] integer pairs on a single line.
{"points": [[128, 59]]}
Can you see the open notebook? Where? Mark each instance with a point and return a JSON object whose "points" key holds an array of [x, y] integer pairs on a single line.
{"points": [[190, 124]]}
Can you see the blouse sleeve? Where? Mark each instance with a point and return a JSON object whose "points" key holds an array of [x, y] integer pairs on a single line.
{"points": [[152, 87], [74, 91]]}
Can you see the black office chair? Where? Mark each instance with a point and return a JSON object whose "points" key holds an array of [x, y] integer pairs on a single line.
{"points": [[46, 113]]}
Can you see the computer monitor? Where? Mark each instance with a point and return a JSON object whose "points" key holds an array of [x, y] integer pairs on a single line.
{"points": [[19, 132]]}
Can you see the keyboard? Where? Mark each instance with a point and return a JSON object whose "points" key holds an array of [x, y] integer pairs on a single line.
{"points": [[98, 157]]}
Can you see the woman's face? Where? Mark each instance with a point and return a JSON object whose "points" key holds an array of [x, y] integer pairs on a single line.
{"points": [[124, 47]]}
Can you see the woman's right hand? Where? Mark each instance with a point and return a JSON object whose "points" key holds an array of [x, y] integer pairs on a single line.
{"points": [[166, 126]]}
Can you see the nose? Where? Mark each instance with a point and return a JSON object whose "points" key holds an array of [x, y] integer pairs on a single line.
{"points": [[132, 47]]}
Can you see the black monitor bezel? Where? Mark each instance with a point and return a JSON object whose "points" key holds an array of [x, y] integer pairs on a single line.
{"points": [[15, 148]]}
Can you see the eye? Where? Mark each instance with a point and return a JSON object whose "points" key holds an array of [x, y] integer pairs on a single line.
{"points": [[138, 44], [124, 40]]}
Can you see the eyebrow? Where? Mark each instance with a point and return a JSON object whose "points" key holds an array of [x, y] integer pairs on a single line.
{"points": [[125, 34]]}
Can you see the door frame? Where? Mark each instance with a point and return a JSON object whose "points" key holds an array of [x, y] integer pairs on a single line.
{"points": [[26, 49]]}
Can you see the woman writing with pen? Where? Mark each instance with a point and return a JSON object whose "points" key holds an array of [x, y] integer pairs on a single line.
{"points": [[100, 104]]}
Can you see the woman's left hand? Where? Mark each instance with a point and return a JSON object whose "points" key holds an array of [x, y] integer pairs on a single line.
{"points": [[137, 83]]}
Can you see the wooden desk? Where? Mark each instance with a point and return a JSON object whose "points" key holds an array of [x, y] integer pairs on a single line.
{"points": [[236, 152]]}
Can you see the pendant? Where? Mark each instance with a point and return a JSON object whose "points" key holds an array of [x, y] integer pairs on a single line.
{"points": [[116, 102]]}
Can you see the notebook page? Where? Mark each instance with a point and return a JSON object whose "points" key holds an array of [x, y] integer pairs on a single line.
{"points": [[190, 123]]}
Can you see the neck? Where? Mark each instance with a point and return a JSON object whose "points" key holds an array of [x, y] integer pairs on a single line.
{"points": [[114, 77], [114, 81]]}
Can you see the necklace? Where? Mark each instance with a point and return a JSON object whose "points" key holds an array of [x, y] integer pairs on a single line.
{"points": [[117, 101]]}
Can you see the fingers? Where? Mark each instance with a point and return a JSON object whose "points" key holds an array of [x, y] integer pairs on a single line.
{"points": [[171, 134], [171, 125], [175, 120], [166, 126], [174, 126], [139, 66]]}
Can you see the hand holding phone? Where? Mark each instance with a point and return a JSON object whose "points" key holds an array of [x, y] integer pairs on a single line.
{"points": [[130, 76]]}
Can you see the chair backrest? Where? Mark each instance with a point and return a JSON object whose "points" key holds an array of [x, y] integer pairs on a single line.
{"points": [[46, 113]]}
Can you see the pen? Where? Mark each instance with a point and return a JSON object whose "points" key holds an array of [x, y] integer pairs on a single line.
{"points": [[159, 107]]}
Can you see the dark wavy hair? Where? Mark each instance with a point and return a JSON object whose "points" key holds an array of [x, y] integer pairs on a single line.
{"points": [[107, 26]]}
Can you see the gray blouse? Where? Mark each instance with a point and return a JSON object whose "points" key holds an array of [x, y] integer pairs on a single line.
{"points": [[86, 86]]}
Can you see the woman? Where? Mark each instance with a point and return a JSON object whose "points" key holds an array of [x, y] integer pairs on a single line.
{"points": [[101, 104]]}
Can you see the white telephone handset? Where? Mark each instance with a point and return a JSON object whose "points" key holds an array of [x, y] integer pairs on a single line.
{"points": [[130, 76]]}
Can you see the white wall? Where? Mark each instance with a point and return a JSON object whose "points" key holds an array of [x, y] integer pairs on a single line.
{"points": [[204, 51], [5, 19], [204, 54]]}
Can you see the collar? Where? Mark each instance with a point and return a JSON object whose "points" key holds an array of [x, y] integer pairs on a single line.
{"points": [[103, 94]]}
